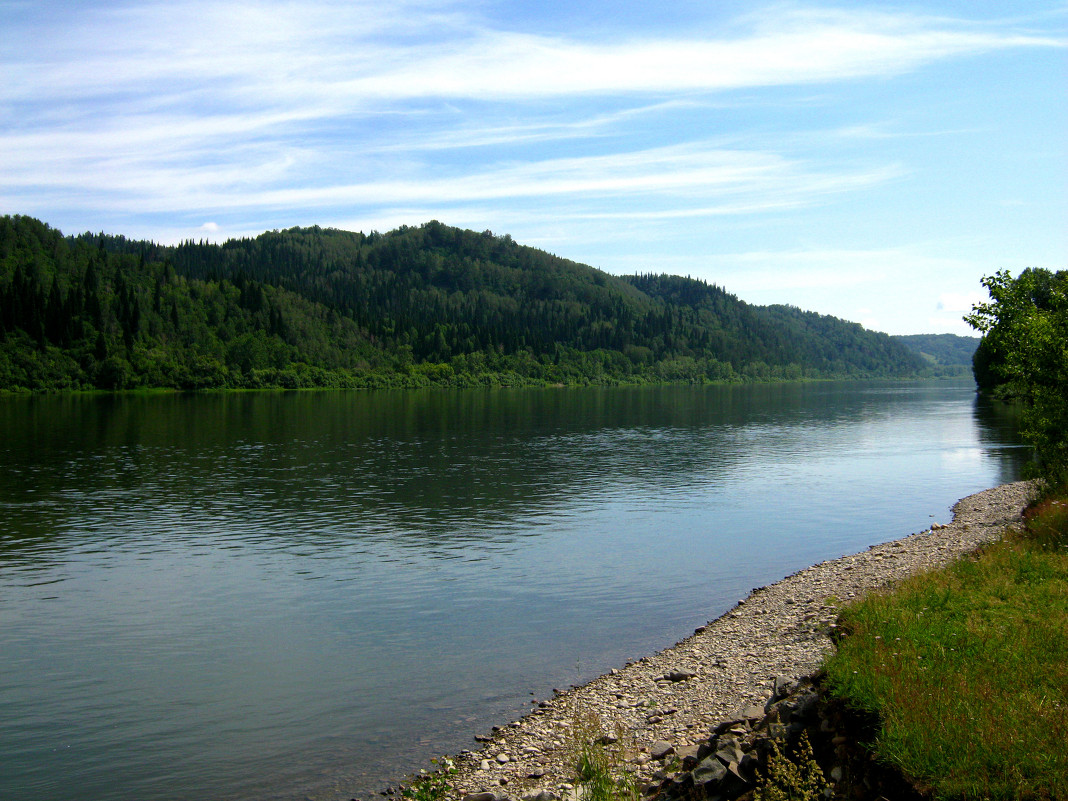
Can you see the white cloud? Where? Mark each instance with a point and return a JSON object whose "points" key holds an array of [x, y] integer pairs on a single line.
{"points": [[677, 181], [797, 49], [333, 57], [960, 302]]}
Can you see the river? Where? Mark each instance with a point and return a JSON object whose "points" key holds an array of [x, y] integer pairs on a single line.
{"points": [[305, 595]]}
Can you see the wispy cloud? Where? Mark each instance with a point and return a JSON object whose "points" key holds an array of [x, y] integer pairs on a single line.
{"points": [[335, 55], [673, 182], [168, 102]]}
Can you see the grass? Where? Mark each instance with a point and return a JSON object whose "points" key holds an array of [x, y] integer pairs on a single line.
{"points": [[967, 667], [598, 759]]}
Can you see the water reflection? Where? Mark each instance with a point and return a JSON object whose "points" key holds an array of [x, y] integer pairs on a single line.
{"points": [[424, 468]]}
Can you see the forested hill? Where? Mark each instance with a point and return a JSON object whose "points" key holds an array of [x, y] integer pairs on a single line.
{"points": [[413, 307], [947, 350]]}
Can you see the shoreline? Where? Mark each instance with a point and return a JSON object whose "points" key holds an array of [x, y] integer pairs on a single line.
{"points": [[724, 669]]}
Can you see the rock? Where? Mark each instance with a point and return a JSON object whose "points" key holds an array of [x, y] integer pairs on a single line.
{"points": [[679, 675], [782, 686], [709, 770], [747, 768], [484, 765], [661, 749], [503, 758], [751, 712], [484, 796], [688, 755], [729, 751]]}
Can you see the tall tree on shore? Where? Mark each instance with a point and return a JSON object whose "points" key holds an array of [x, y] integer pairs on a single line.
{"points": [[1024, 355]]}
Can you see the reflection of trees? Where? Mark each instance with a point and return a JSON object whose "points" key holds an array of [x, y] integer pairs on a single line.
{"points": [[325, 469], [998, 423]]}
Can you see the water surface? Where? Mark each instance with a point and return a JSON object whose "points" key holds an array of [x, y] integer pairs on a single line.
{"points": [[291, 595]]}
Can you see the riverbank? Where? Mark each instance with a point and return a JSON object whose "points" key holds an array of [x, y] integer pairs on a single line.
{"points": [[726, 667]]}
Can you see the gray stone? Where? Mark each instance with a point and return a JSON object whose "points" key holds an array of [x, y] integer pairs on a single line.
{"points": [[751, 712], [503, 758], [484, 796], [708, 770], [783, 686], [688, 755], [729, 750], [661, 749], [680, 675]]}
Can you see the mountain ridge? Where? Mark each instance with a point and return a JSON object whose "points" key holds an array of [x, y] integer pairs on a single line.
{"points": [[417, 306]]}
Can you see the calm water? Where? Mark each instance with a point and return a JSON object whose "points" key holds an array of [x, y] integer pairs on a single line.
{"points": [[306, 595]]}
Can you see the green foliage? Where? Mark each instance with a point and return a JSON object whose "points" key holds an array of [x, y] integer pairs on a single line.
{"points": [[1024, 355], [967, 668], [422, 306], [796, 779], [433, 786]]}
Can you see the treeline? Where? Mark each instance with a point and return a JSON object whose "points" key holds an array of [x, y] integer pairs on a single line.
{"points": [[413, 307]]}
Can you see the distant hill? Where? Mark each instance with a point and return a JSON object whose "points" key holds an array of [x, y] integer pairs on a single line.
{"points": [[942, 349], [418, 306]]}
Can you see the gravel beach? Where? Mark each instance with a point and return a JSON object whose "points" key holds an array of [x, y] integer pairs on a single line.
{"points": [[676, 696]]}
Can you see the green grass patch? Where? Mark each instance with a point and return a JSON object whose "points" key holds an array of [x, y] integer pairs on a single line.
{"points": [[967, 667]]}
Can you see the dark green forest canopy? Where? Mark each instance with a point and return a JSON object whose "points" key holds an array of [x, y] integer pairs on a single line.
{"points": [[427, 305]]}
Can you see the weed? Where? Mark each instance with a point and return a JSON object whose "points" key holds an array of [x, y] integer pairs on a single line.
{"points": [[433, 786], [797, 779], [1047, 522], [599, 761]]}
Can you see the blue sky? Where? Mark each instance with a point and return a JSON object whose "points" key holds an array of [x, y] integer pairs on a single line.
{"points": [[866, 160]]}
